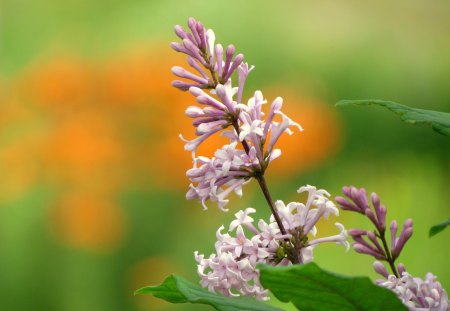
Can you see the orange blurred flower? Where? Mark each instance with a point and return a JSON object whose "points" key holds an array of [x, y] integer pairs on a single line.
{"points": [[88, 221], [59, 82], [102, 125]]}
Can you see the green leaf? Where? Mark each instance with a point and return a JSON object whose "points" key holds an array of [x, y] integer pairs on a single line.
{"points": [[439, 227], [310, 288], [439, 121], [175, 289]]}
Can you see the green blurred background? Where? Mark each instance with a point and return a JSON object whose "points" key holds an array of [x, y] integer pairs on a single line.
{"points": [[92, 172]]}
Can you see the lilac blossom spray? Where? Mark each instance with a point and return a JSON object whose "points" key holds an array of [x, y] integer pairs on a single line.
{"points": [[289, 235]]}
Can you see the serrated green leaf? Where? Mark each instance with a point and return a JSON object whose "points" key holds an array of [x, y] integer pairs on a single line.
{"points": [[312, 289], [439, 121], [439, 227], [175, 289]]}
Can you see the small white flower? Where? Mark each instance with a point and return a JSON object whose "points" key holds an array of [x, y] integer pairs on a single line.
{"points": [[253, 128]]}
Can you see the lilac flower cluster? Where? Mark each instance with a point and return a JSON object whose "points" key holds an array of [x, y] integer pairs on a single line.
{"points": [[232, 269], [369, 242], [415, 293], [222, 110]]}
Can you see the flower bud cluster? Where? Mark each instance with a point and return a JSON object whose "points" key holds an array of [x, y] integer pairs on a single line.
{"points": [[231, 270], [415, 293], [372, 242], [221, 109], [199, 45]]}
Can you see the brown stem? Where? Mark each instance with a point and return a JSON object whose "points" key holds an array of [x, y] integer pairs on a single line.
{"points": [[265, 190], [389, 258]]}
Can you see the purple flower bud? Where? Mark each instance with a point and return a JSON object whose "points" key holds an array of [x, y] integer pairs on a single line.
{"points": [[346, 205], [237, 61], [192, 50], [178, 47], [179, 31], [357, 232], [202, 34], [380, 269], [207, 100], [372, 237], [226, 99], [375, 201], [203, 120], [408, 223], [196, 91], [369, 213], [183, 86], [393, 228], [192, 23], [359, 197], [195, 65], [229, 56], [194, 112], [276, 106], [404, 237], [347, 190], [382, 217], [360, 240], [376, 205], [359, 248], [401, 268], [183, 73], [219, 59]]}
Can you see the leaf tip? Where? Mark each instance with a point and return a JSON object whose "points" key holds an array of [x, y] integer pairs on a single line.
{"points": [[140, 291]]}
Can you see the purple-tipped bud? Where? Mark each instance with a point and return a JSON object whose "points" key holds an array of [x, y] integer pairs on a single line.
{"points": [[356, 232], [230, 51], [346, 205], [192, 50], [375, 200], [360, 240], [195, 65], [347, 190], [222, 94], [359, 248], [192, 23], [361, 199], [194, 112], [237, 61], [203, 121], [372, 237], [219, 58], [369, 213], [183, 73], [229, 56], [376, 206], [196, 91], [382, 217], [178, 47], [401, 268], [179, 31], [181, 85], [202, 34], [394, 228], [354, 193], [276, 106], [404, 237], [380, 269], [209, 101], [408, 223], [189, 45]]}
